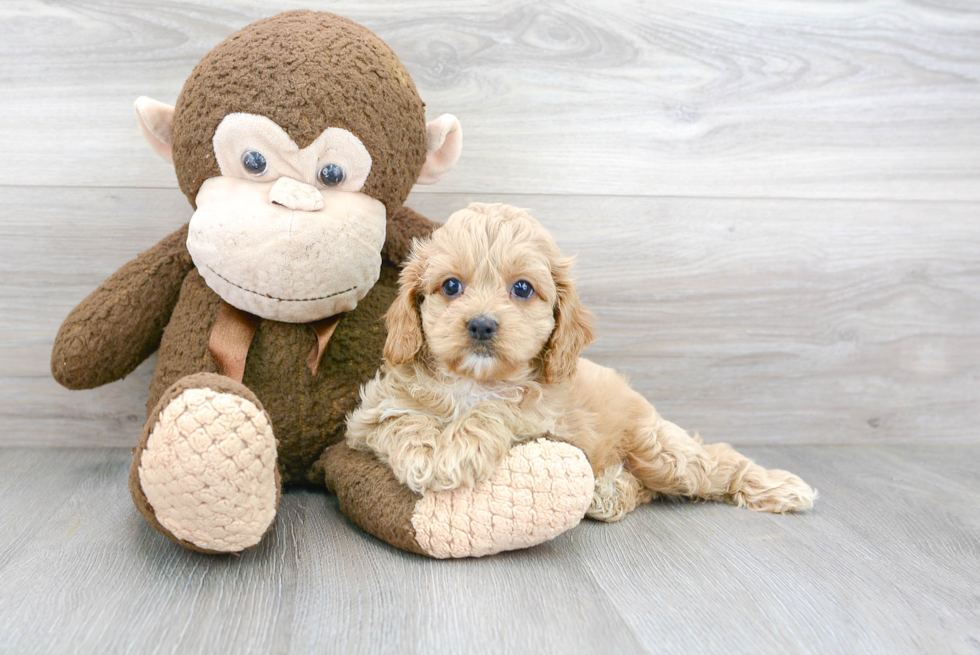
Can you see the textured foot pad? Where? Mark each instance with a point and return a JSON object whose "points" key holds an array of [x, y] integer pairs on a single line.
{"points": [[540, 490], [209, 470]]}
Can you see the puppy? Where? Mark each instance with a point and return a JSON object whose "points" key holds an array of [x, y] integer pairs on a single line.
{"points": [[483, 353]]}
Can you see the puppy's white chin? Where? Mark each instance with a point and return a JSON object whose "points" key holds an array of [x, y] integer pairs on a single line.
{"points": [[477, 366]]}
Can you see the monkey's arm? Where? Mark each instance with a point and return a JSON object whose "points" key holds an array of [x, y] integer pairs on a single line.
{"points": [[404, 226], [120, 324]]}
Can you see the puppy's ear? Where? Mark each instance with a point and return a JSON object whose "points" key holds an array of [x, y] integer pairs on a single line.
{"points": [[404, 323], [573, 327]]}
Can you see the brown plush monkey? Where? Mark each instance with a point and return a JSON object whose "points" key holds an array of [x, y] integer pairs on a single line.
{"points": [[297, 140]]}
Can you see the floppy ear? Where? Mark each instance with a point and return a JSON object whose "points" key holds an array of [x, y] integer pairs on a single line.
{"points": [[573, 327], [404, 323]]}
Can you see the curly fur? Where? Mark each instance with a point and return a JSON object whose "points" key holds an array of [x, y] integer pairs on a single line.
{"points": [[445, 408]]}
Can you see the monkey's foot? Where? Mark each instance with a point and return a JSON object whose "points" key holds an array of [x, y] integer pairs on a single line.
{"points": [[205, 472], [540, 490]]}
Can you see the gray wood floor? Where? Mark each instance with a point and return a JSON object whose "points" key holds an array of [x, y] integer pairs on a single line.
{"points": [[774, 207], [887, 562]]}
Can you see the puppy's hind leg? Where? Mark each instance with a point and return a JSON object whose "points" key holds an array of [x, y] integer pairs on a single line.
{"points": [[668, 461], [758, 488], [617, 493]]}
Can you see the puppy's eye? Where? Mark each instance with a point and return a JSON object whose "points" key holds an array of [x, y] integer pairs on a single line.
{"points": [[452, 287], [522, 289]]}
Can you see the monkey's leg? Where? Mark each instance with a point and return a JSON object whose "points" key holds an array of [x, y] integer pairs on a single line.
{"points": [[204, 473], [540, 490], [670, 462]]}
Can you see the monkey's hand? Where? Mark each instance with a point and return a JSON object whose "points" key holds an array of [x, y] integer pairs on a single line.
{"points": [[121, 323]]}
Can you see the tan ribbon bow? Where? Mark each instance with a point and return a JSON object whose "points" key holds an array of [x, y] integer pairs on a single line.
{"points": [[234, 330]]}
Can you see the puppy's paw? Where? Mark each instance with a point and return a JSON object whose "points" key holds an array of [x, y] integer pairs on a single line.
{"points": [[470, 451], [617, 493], [772, 490], [414, 466], [462, 465], [423, 468]]}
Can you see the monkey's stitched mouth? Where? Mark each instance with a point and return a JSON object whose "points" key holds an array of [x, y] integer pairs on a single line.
{"points": [[265, 295]]}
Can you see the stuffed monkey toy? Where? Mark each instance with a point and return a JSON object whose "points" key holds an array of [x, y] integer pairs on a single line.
{"points": [[296, 140]]}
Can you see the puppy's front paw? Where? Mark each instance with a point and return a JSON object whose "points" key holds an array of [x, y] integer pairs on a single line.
{"points": [[462, 465], [462, 455], [423, 468], [414, 466], [472, 450]]}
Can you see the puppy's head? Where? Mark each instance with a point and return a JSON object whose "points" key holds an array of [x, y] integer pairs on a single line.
{"points": [[488, 296]]}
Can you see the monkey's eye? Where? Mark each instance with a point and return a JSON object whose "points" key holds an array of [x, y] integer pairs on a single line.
{"points": [[254, 163], [331, 175], [522, 289], [452, 287]]}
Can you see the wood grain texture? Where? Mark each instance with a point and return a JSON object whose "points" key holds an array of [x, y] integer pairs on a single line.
{"points": [[751, 321], [879, 549], [887, 562], [714, 98], [774, 206]]}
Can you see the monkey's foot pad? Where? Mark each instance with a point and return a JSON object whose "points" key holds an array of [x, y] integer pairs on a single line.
{"points": [[209, 470], [540, 490]]}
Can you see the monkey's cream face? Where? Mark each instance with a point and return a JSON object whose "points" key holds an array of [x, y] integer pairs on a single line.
{"points": [[285, 233], [488, 296]]}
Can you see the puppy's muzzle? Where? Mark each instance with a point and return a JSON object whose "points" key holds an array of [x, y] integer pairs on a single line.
{"points": [[482, 328]]}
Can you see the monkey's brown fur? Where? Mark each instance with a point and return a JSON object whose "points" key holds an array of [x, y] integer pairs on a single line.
{"points": [[306, 70], [160, 301]]}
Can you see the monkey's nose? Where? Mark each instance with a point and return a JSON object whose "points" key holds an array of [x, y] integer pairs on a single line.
{"points": [[295, 195], [482, 328]]}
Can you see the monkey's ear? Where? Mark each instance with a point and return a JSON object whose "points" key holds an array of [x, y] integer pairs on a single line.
{"points": [[155, 119], [444, 138]]}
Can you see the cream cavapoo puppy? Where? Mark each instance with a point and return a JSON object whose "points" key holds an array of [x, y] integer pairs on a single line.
{"points": [[483, 353]]}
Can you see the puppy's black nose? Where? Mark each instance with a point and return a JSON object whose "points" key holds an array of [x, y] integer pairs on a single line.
{"points": [[482, 328]]}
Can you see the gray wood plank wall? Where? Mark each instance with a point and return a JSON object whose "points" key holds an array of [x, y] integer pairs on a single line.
{"points": [[774, 204]]}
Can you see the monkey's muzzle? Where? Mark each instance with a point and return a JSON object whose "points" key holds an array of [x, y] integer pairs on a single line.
{"points": [[279, 261]]}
